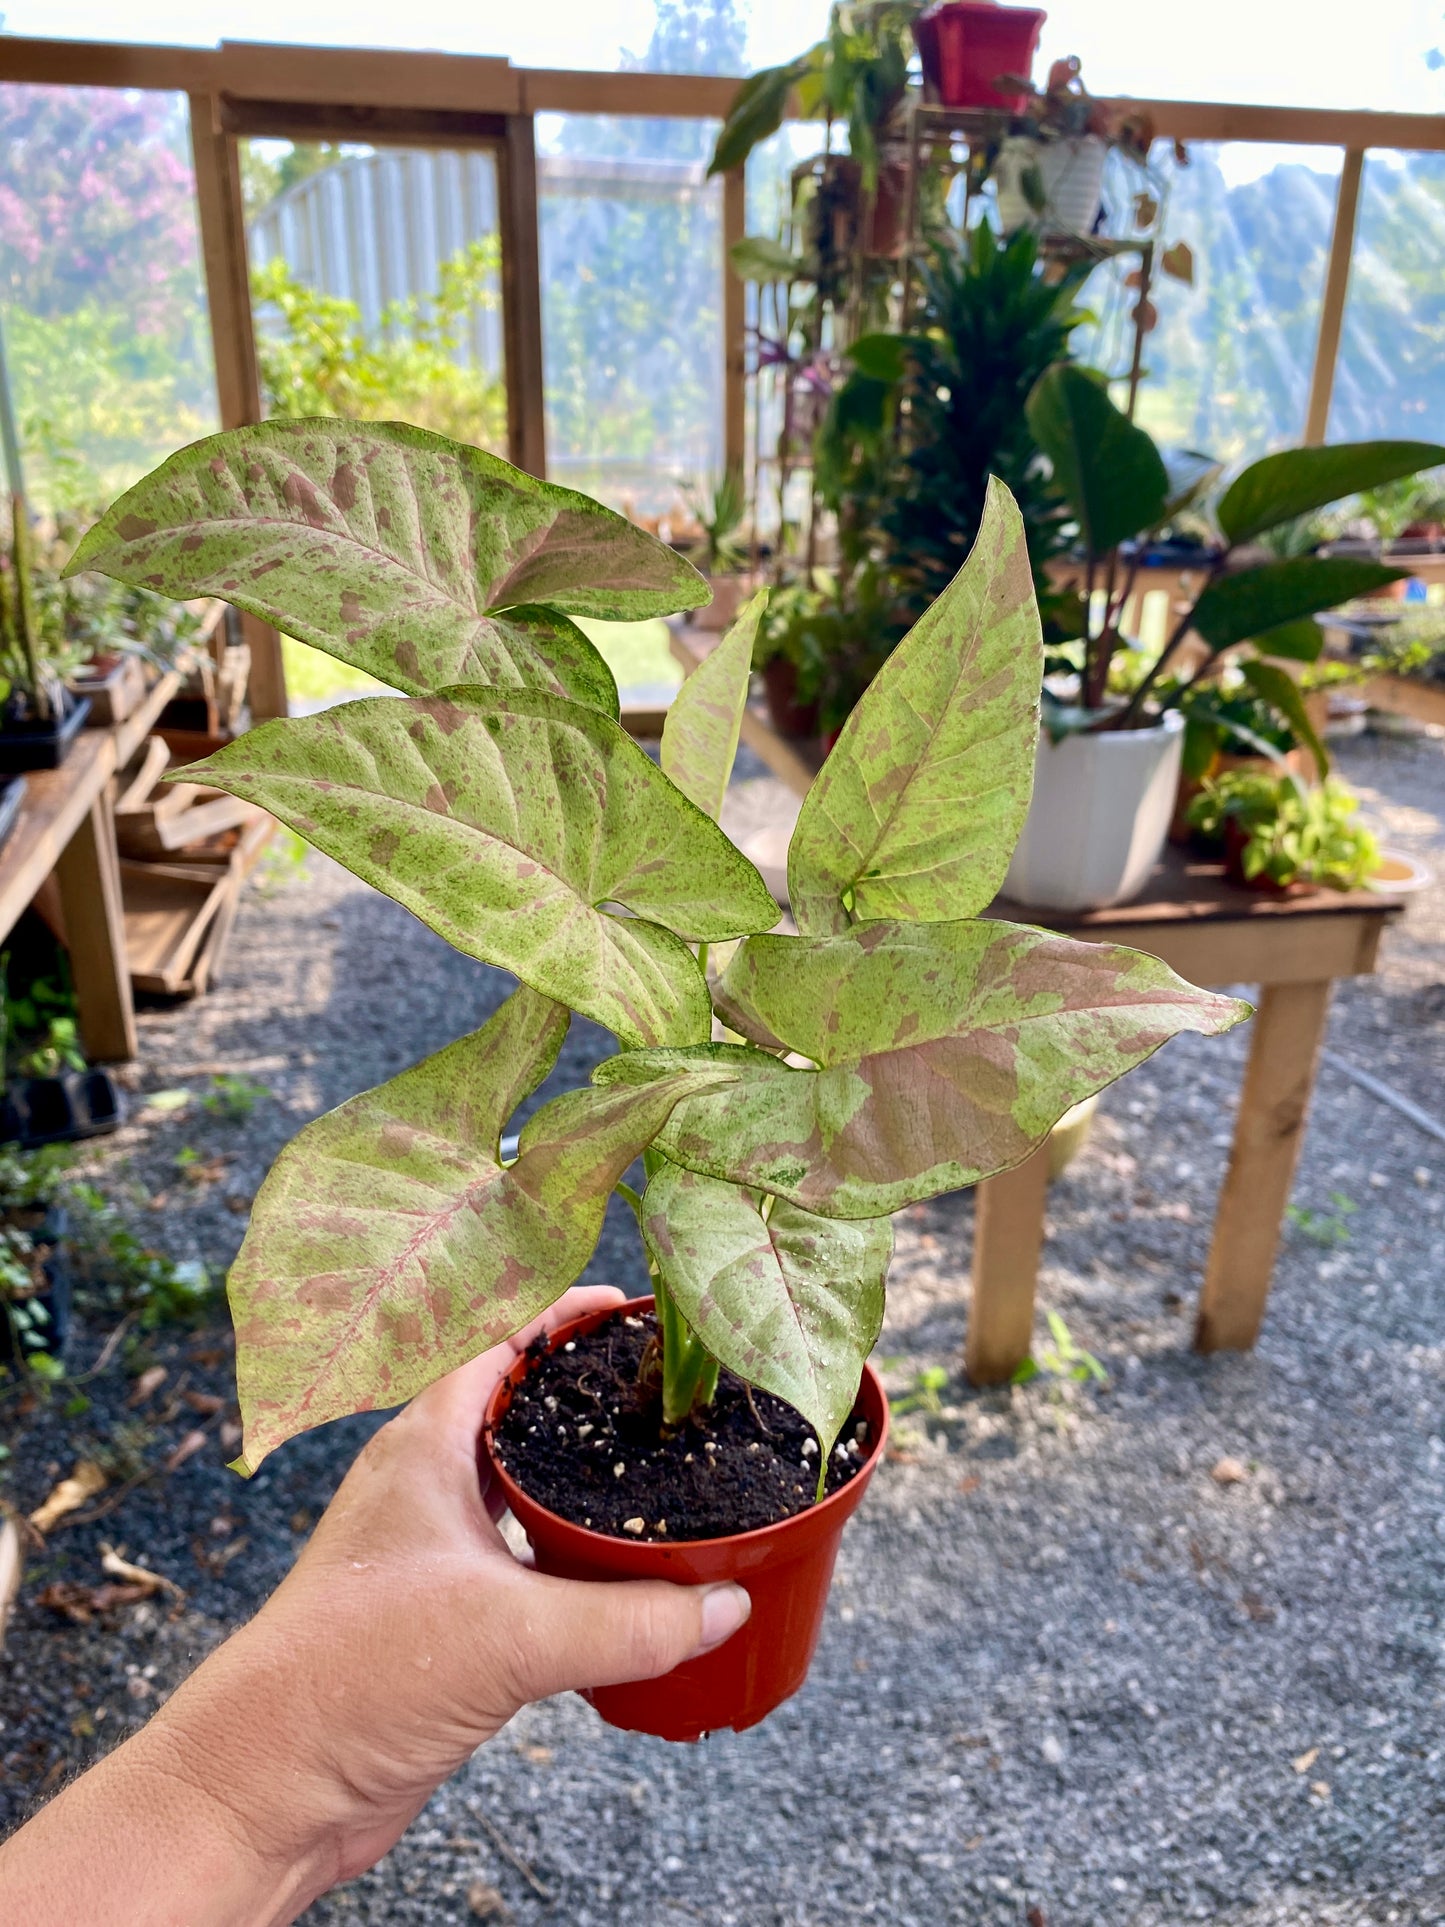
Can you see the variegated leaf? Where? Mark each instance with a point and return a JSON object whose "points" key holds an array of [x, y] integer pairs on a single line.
{"points": [[700, 732], [389, 1244], [792, 1303], [948, 1051], [420, 560], [916, 812], [507, 822]]}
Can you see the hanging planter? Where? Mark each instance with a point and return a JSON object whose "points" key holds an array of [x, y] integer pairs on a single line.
{"points": [[967, 46], [1100, 813], [1055, 183], [786, 1567]]}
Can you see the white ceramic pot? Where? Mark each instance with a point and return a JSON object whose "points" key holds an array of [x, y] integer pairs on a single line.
{"points": [[1099, 816], [1071, 174]]}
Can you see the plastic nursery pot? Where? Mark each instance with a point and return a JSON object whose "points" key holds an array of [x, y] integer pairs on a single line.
{"points": [[786, 1569], [26, 744], [61, 1110], [780, 685], [965, 45]]}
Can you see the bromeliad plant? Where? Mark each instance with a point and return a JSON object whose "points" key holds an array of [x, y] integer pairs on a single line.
{"points": [[896, 1047]]}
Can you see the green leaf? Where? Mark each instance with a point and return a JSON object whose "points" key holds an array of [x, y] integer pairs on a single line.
{"points": [[885, 357], [1110, 472], [389, 1245], [916, 811], [758, 258], [700, 732], [757, 111], [1280, 690], [507, 822], [1235, 608], [1298, 641], [420, 560], [1297, 481], [947, 1053], [792, 1303]]}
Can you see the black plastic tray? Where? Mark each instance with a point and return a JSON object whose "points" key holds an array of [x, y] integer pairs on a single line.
{"points": [[61, 1110], [42, 748]]}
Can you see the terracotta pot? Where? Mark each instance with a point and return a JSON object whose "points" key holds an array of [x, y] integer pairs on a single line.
{"points": [[786, 1569], [728, 595], [789, 716], [966, 45]]}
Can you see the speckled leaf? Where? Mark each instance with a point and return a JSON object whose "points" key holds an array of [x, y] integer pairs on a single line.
{"points": [[506, 822], [420, 560], [792, 1303], [389, 1244], [947, 1050], [916, 812], [700, 733]]}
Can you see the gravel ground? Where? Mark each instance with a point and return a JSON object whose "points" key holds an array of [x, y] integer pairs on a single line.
{"points": [[1067, 1677]]}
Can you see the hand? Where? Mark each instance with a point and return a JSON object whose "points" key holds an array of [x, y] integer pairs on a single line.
{"points": [[406, 1635]]}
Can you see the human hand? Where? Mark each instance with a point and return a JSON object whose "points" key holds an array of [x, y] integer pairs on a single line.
{"points": [[406, 1635]]}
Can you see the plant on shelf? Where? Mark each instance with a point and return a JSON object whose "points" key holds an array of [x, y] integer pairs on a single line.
{"points": [[898, 1046], [1277, 834], [1120, 714]]}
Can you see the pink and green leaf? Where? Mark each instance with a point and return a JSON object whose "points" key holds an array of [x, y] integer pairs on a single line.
{"points": [[507, 821], [700, 733], [916, 812], [947, 1052], [418, 559], [792, 1303], [389, 1244]]}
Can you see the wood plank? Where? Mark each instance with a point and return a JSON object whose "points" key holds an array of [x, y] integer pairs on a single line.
{"points": [[370, 76], [56, 802], [138, 726], [564, 90], [89, 880], [145, 834], [1407, 696], [522, 299], [1332, 304], [376, 126], [168, 909], [1273, 1105], [1007, 1239], [138, 780]]}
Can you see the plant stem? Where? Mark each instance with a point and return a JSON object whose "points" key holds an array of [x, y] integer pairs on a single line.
{"points": [[689, 1372], [629, 1196]]}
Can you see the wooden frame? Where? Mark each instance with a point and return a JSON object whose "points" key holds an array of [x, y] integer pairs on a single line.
{"points": [[242, 88]]}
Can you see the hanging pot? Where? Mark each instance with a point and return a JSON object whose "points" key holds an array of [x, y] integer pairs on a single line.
{"points": [[786, 1569], [966, 45], [1098, 818]]}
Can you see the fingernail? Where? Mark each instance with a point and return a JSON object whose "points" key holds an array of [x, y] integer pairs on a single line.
{"points": [[724, 1609]]}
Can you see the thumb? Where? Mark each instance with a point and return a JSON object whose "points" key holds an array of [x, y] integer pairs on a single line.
{"points": [[582, 1633]]}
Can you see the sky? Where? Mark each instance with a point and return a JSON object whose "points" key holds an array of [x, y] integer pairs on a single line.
{"points": [[1280, 52]]}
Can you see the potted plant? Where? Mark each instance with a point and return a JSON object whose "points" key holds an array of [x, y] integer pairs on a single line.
{"points": [[39, 717], [896, 1047], [1049, 169], [1228, 726], [1278, 835], [51, 1095], [977, 53], [1109, 758], [35, 1286], [721, 552]]}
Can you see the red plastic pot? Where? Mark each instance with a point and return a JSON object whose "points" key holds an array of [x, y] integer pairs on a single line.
{"points": [[967, 44], [786, 1569]]}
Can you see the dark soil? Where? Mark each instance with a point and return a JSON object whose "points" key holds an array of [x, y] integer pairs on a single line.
{"points": [[582, 1436]]}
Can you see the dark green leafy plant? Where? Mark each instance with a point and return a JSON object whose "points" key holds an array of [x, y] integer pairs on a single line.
{"points": [[1119, 491], [1286, 833], [896, 1047]]}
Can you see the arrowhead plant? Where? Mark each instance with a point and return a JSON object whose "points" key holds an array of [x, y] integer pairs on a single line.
{"points": [[895, 1044]]}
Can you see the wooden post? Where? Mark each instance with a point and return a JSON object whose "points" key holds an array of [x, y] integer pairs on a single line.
{"points": [[1288, 1029], [522, 298], [88, 873], [1332, 306], [1008, 1235], [734, 320], [222, 215]]}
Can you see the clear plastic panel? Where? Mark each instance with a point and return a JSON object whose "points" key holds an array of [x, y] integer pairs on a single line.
{"points": [[1390, 376]]}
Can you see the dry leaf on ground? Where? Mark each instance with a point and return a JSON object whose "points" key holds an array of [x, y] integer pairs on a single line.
{"points": [[119, 1568], [79, 1603], [1230, 1472], [188, 1447], [70, 1495], [486, 1903], [1306, 1760], [12, 1564], [149, 1382]]}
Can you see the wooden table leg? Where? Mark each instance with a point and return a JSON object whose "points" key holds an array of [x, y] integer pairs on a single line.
{"points": [[89, 875], [1288, 1029], [1008, 1236]]}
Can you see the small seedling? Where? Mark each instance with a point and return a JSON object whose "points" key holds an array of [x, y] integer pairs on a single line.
{"points": [[1327, 1228], [234, 1097], [283, 862], [924, 1396], [1064, 1359]]}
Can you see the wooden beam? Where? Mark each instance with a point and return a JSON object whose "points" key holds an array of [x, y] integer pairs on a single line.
{"points": [[300, 120], [105, 63], [522, 298], [348, 76], [1332, 305], [88, 874], [1008, 1235], [665, 96], [222, 214], [734, 317]]}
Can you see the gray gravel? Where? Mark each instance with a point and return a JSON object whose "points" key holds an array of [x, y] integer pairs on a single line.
{"points": [[1067, 1676]]}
